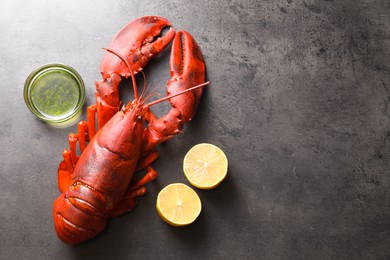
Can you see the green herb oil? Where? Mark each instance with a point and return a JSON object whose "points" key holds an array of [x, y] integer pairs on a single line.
{"points": [[55, 93]]}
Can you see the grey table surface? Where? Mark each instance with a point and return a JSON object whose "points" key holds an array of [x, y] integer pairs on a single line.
{"points": [[299, 101]]}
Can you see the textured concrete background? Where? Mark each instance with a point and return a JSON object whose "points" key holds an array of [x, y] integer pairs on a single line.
{"points": [[299, 102]]}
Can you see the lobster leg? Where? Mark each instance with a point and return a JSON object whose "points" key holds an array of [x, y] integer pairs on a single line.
{"points": [[137, 189], [187, 69], [85, 131], [64, 177], [128, 201], [72, 139], [146, 160], [149, 176], [91, 113], [123, 206], [66, 167]]}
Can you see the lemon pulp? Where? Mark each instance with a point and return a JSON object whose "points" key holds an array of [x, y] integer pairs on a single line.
{"points": [[205, 166], [178, 205]]}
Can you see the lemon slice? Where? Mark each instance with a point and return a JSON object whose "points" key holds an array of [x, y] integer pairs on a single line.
{"points": [[178, 205], [205, 166]]}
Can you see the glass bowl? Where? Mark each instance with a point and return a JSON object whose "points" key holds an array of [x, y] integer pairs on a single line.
{"points": [[55, 93]]}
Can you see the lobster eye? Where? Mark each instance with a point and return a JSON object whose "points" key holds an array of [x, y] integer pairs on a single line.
{"points": [[138, 118]]}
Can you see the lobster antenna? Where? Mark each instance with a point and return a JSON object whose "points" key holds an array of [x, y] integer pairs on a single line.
{"points": [[131, 71], [152, 93], [145, 88], [177, 94]]}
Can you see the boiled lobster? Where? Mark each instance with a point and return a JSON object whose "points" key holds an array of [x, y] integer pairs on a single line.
{"points": [[99, 183]]}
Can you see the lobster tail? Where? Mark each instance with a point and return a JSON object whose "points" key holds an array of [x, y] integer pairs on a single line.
{"points": [[79, 214]]}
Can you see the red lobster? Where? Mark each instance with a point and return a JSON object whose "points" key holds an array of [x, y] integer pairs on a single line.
{"points": [[98, 184]]}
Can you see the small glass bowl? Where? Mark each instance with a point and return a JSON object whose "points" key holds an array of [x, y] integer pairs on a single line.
{"points": [[55, 93]]}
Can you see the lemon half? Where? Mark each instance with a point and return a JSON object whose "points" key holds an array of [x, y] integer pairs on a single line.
{"points": [[178, 205], [205, 166]]}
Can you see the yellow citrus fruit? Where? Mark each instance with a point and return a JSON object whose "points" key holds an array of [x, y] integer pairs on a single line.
{"points": [[205, 166], [178, 205]]}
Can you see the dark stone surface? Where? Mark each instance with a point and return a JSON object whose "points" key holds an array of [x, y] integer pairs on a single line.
{"points": [[299, 102]]}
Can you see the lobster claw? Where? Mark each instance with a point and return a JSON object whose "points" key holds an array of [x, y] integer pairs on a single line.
{"points": [[138, 42], [187, 69], [134, 45]]}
